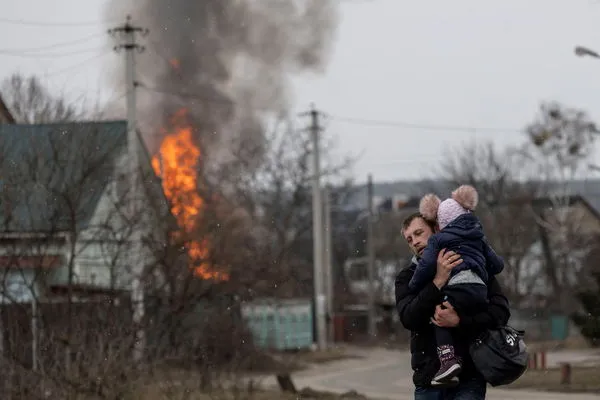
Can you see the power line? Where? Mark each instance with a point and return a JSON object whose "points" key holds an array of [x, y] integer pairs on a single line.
{"points": [[46, 23], [436, 127], [52, 46], [49, 55], [350, 120], [75, 66]]}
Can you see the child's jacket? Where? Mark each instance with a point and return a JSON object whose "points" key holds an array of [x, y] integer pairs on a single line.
{"points": [[464, 236]]}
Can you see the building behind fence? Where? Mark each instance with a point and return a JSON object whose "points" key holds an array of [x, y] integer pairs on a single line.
{"points": [[542, 325]]}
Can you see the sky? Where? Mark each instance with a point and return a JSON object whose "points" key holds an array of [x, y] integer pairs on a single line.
{"points": [[407, 83]]}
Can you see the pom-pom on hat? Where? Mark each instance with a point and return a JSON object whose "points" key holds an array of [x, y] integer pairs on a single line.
{"points": [[464, 199], [466, 196], [428, 207]]}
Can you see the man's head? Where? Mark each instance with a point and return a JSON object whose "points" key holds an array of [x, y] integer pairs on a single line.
{"points": [[417, 230]]}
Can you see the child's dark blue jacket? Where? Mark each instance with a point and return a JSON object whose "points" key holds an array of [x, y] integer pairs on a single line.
{"points": [[464, 236]]}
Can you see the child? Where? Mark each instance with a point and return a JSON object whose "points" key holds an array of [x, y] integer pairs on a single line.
{"points": [[460, 231]]}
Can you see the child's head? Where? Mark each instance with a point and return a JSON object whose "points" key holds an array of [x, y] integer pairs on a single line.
{"points": [[463, 200]]}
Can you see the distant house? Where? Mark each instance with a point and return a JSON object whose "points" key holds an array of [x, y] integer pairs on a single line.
{"points": [[573, 213], [5, 115], [62, 190], [577, 200]]}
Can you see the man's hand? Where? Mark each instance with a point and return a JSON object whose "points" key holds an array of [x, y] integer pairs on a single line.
{"points": [[445, 262], [445, 317]]}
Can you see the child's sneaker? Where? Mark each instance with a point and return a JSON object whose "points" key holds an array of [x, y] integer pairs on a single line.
{"points": [[449, 365]]}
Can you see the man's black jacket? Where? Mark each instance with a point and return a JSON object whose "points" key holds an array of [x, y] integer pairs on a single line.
{"points": [[415, 313]]}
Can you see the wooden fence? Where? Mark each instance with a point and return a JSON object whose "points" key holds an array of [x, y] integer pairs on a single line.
{"points": [[60, 326]]}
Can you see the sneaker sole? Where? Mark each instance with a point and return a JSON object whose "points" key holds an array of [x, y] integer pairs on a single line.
{"points": [[446, 384], [450, 373]]}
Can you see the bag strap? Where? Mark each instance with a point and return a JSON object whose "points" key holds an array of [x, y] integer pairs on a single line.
{"points": [[518, 332]]}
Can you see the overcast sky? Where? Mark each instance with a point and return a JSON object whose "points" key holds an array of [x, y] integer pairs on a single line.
{"points": [[466, 63]]}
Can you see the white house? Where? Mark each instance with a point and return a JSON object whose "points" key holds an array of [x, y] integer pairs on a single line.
{"points": [[62, 208]]}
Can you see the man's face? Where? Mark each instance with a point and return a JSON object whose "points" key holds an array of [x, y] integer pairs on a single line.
{"points": [[417, 234]]}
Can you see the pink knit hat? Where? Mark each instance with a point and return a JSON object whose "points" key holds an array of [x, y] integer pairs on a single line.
{"points": [[463, 200]]}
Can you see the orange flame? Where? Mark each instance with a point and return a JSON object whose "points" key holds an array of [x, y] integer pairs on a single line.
{"points": [[174, 63], [176, 164]]}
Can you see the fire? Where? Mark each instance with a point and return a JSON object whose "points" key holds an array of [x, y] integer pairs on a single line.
{"points": [[174, 63], [176, 164]]}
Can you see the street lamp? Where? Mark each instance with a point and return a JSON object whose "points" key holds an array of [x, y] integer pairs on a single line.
{"points": [[581, 51]]}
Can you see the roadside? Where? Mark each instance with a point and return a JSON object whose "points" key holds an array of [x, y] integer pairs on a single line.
{"points": [[385, 374]]}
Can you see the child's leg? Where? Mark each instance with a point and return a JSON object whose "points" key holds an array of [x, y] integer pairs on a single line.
{"points": [[443, 337], [449, 363]]}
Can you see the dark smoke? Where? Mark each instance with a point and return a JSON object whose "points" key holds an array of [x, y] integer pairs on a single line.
{"points": [[235, 60]]}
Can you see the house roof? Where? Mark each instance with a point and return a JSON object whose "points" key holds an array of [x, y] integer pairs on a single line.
{"points": [[548, 202], [53, 175]]}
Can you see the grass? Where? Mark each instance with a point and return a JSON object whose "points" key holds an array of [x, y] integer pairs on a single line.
{"points": [[583, 379]]}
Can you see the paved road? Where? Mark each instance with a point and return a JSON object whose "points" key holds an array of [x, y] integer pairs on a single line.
{"points": [[385, 374]]}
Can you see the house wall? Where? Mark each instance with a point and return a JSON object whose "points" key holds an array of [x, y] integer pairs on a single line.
{"points": [[533, 281], [99, 264]]}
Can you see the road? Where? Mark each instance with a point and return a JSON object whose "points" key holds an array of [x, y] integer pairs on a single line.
{"points": [[386, 374]]}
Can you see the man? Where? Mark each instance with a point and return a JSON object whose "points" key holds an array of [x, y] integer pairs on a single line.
{"points": [[418, 313]]}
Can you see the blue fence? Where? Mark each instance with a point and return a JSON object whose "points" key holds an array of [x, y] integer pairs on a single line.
{"points": [[280, 324]]}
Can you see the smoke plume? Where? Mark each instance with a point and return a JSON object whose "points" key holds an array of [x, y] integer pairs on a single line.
{"points": [[228, 62]]}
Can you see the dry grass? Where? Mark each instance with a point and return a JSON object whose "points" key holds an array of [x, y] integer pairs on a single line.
{"points": [[583, 379]]}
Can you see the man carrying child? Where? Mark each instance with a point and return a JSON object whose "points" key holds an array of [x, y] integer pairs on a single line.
{"points": [[423, 309]]}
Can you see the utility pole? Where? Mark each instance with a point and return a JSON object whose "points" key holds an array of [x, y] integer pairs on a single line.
{"points": [[317, 210], [327, 261], [371, 260], [128, 35]]}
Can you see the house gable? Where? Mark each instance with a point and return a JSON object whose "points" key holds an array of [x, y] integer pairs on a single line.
{"points": [[101, 260], [54, 174]]}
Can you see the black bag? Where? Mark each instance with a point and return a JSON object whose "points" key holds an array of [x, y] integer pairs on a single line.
{"points": [[500, 355]]}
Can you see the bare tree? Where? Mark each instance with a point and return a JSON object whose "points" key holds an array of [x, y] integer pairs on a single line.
{"points": [[273, 199], [238, 231], [31, 102], [560, 145], [505, 207]]}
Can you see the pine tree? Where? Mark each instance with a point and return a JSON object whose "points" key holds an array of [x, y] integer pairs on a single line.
{"points": [[589, 321]]}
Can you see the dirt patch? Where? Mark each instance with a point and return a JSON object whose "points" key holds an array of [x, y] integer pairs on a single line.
{"points": [[325, 356], [583, 379], [572, 343], [304, 394]]}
